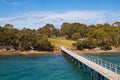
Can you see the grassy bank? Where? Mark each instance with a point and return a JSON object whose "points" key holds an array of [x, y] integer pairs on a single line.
{"points": [[57, 42]]}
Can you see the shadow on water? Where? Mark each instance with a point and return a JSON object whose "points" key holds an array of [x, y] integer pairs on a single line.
{"points": [[77, 69], [86, 74]]}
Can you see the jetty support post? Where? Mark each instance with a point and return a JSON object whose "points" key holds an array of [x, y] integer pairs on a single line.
{"points": [[91, 74], [80, 65], [84, 68], [99, 76], [102, 77]]}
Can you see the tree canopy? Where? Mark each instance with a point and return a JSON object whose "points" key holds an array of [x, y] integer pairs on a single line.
{"points": [[87, 36], [25, 39]]}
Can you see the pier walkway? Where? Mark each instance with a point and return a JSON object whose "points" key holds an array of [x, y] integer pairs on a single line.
{"points": [[103, 68]]}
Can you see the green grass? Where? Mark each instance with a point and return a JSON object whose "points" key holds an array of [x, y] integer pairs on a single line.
{"points": [[57, 42]]}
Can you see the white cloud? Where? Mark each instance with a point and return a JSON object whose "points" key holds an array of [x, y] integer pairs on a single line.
{"points": [[39, 19], [10, 3]]}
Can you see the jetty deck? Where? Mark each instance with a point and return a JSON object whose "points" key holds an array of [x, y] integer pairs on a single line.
{"points": [[111, 72]]}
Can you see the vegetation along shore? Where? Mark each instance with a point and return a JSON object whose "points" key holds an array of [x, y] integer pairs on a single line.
{"points": [[46, 39]]}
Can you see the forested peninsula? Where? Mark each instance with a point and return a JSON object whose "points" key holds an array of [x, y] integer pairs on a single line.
{"points": [[104, 36]]}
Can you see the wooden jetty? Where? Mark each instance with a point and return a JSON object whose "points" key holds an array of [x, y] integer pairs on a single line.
{"points": [[103, 68]]}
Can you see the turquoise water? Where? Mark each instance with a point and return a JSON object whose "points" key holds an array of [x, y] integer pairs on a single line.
{"points": [[110, 57], [51, 67]]}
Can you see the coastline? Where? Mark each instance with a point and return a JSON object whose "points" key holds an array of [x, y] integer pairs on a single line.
{"points": [[37, 53], [28, 53], [98, 51]]}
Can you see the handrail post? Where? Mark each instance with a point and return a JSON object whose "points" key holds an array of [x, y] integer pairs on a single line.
{"points": [[116, 70], [105, 64], [111, 66], [101, 62]]}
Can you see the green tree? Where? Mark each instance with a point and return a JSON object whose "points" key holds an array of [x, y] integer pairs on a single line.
{"points": [[86, 44], [117, 25], [76, 36], [67, 29], [48, 30], [105, 46], [99, 34], [27, 39], [8, 26], [43, 44]]}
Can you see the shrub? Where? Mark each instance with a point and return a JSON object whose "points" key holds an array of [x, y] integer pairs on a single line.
{"points": [[43, 44], [86, 44], [79, 45], [105, 46], [75, 36]]}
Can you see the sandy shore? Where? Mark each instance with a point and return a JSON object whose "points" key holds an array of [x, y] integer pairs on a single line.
{"points": [[89, 51], [98, 51], [8, 53]]}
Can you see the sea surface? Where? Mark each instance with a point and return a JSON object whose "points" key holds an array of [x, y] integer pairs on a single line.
{"points": [[112, 57], [46, 67]]}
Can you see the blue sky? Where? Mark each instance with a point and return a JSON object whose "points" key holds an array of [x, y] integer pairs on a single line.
{"points": [[36, 13]]}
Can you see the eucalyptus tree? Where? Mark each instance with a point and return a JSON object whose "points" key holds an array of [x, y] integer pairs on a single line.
{"points": [[48, 30], [68, 30], [117, 25]]}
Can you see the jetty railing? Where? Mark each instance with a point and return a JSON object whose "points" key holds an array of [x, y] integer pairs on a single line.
{"points": [[104, 68], [108, 65]]}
